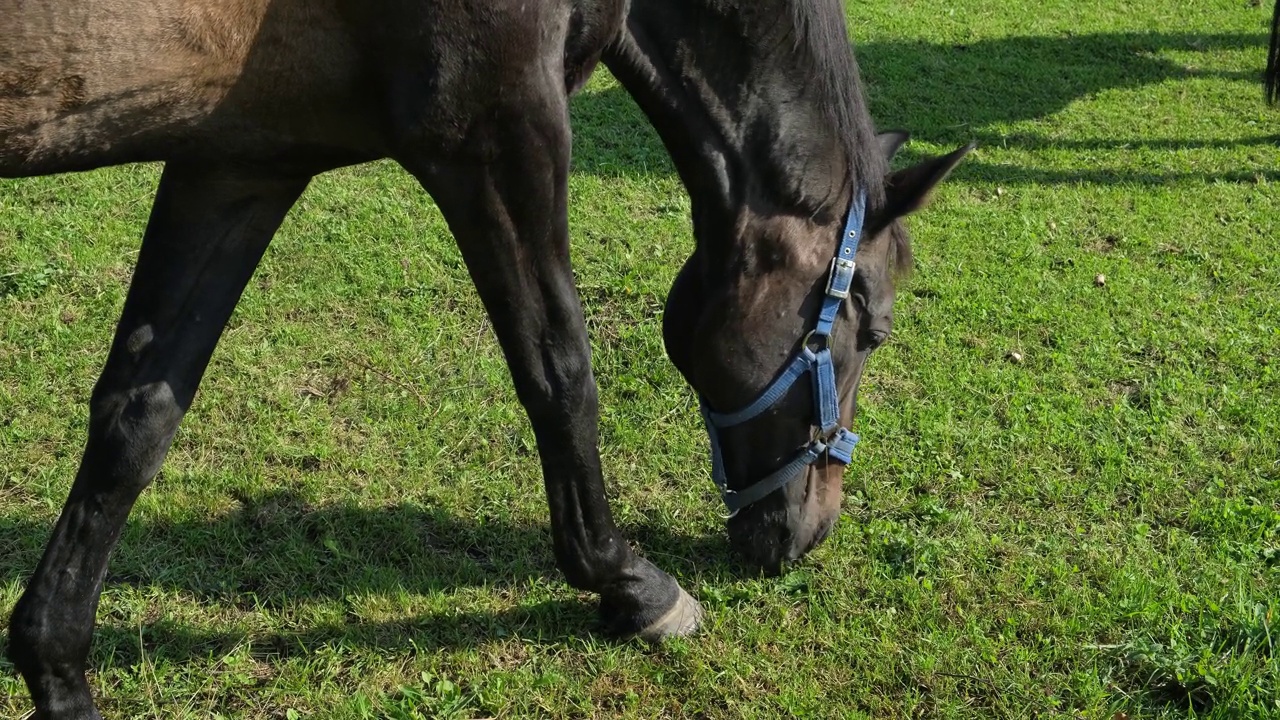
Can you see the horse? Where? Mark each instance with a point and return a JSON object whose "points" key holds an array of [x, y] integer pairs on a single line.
{"points": [[1271, 77], [797, 220]]}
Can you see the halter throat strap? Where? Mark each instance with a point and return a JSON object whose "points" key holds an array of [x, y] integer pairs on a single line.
{"points": [[814, 359]]}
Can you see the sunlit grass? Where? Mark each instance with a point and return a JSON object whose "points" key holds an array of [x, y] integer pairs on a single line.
{"points": [[351, 521]]}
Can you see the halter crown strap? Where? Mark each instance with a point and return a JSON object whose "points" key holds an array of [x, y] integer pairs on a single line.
{"points": [[834, 441]]}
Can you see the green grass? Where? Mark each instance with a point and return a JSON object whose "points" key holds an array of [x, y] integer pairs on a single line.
{"points": [[351, 521]]}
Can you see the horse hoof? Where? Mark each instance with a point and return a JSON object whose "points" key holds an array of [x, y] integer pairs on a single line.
{"points": [[682, 619]]}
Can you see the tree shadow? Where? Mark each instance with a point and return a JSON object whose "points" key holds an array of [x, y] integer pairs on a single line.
{"points": [[950, 90], [953, 93], [276, 552]]}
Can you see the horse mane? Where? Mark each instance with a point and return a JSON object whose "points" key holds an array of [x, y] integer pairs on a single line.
{"points": [[823, 37]]}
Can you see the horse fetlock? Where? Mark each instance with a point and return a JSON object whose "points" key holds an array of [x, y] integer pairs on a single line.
{"points": [[24, 638], [51, 663], [43, 630], [649, 604], [593, 568]]}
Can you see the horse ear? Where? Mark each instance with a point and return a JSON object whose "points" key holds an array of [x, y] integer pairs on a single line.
{"points": [[891, 141], [907, 190]]}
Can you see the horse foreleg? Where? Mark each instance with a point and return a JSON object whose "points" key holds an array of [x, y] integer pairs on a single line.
{"points": [[207, 232], [506, 206]]}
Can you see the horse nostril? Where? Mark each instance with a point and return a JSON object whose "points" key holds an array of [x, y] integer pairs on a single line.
{"points": [[823, 532], [800, 548], [772, 568], [770, 558], [764, 549]]}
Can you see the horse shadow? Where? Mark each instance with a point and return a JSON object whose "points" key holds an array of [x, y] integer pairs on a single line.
{"points": [[276, 552], [953, 93]]}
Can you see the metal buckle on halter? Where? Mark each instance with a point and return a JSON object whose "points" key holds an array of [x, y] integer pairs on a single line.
{"points": [[840, 280]]}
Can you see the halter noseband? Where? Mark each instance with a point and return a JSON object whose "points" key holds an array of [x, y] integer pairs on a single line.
{"points": [[833, 439]]}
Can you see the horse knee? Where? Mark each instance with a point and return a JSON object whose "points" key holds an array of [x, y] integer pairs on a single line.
{"points": [[561, 385], [133, 427]]}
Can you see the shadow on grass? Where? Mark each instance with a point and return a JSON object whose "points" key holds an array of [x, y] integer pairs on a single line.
{"points": [[125, 645], [278, 553], [951, 94], [946, 90]]}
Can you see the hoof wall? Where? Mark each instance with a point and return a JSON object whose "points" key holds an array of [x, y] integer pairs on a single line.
{"points": [[682, 619]]}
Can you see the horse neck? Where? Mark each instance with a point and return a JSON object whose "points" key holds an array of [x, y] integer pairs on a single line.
{"points": [[738, 111]]}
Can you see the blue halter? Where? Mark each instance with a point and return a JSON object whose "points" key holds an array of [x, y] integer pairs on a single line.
{"points": [[833, 439]]}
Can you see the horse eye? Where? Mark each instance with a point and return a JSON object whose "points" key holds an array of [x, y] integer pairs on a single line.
{"points": [[876, 338]]}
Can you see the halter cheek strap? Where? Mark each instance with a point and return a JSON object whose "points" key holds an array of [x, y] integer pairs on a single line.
{"points": [[833, 440]]}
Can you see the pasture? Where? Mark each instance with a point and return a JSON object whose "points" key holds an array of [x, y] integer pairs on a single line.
{"points": [[1066, 502]]}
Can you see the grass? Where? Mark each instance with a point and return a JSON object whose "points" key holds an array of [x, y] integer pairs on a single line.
{"points": [[351, 523]]}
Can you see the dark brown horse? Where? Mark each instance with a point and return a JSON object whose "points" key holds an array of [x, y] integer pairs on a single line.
{"points": [[1272, 76], [758, 102]]}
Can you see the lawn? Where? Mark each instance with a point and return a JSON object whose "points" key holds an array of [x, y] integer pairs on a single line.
{"points": [[1066, 502]]}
